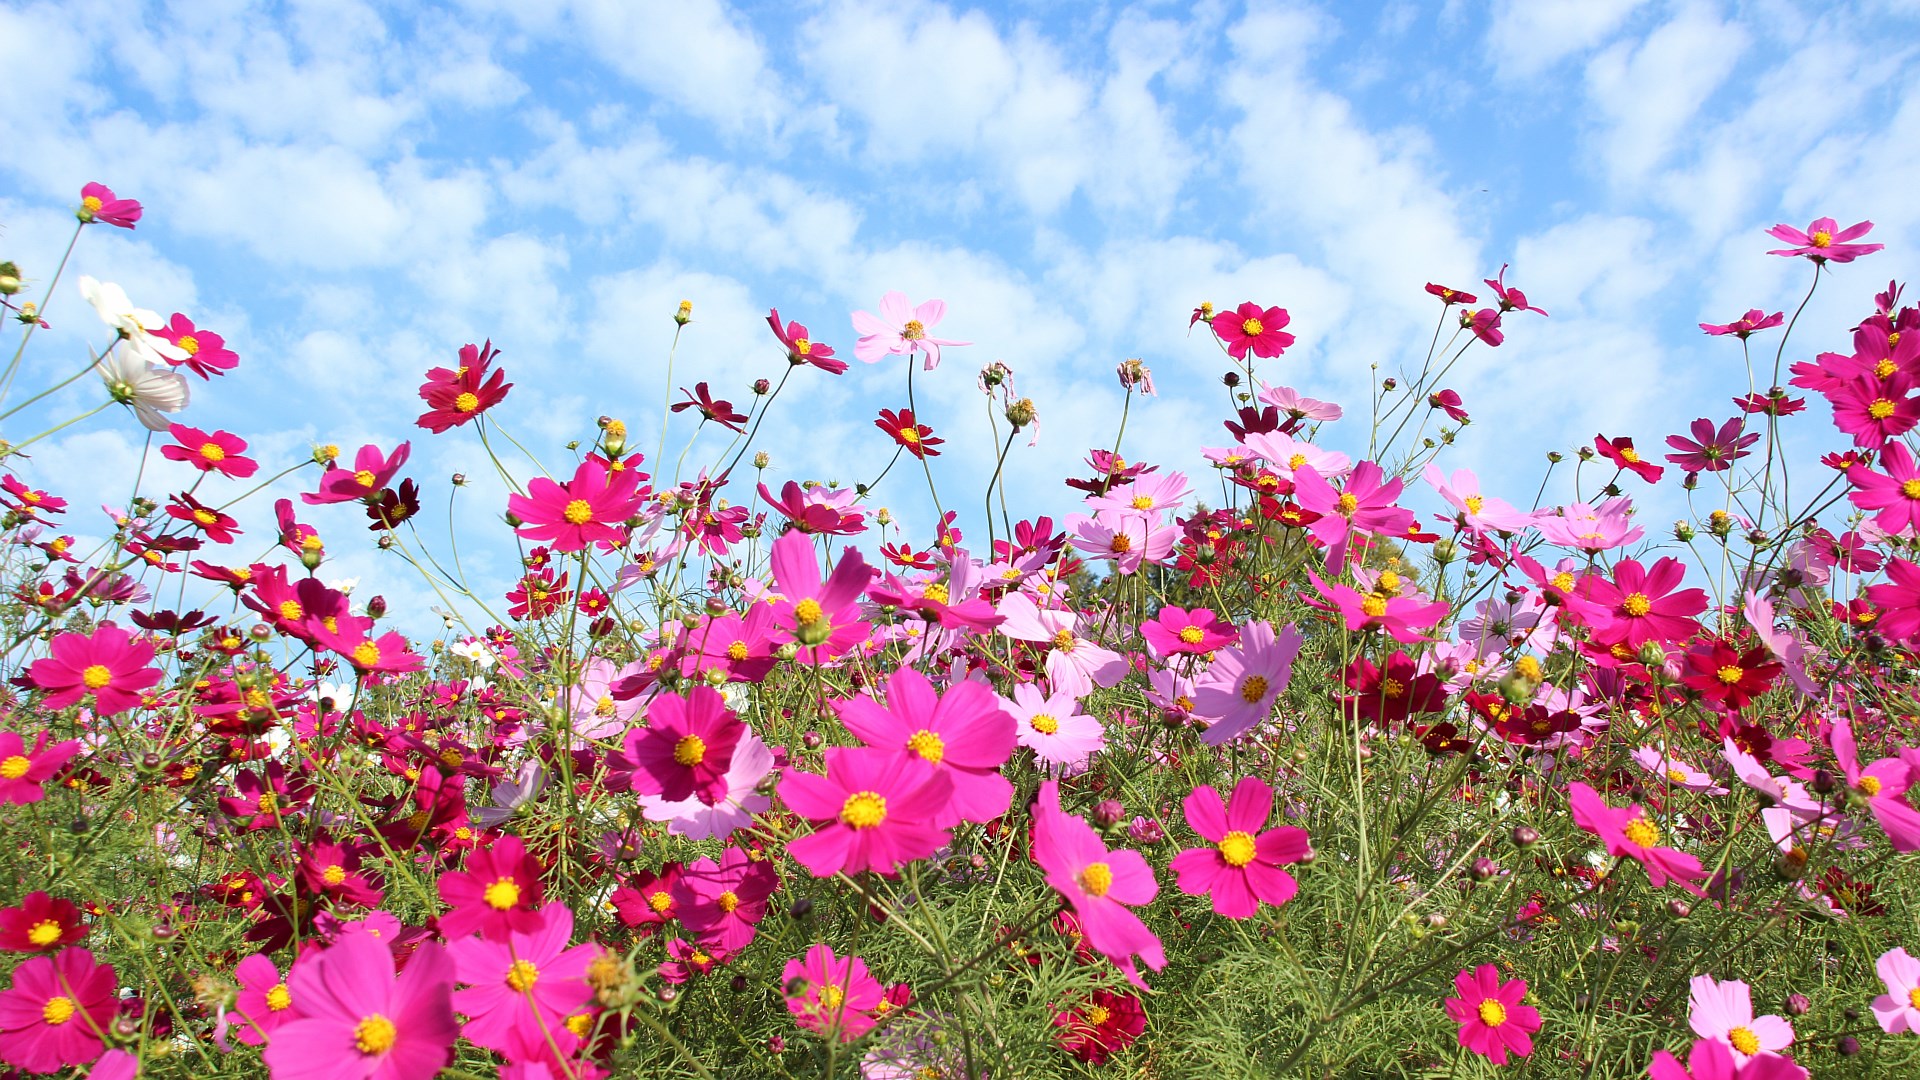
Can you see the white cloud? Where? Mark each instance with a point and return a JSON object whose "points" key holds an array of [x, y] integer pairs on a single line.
{"points": [[1649, 93], [1527, 37], [699, 55]]}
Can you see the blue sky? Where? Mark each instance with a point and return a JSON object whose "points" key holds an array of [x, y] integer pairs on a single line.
{"points": [[350, 192]]}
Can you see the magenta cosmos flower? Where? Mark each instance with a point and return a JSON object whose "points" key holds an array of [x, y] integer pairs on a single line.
{"points": [[1746, 325], [815, 613], [901, 328], [110, 665], [455, 396], [523, 988], [217, 452], [1252, 328], [1710, 450], [206, 352], [873, 810], [683, 751], [264, 1003], [830, 994], [41, 923], [1898, 1010], [1824, 241], [99, 203], [497, 892], [56, 1011], [1898, 600], [1492, 1020], [371, 472], [1099, 885], [801, 348], [1074, 665], [1884, 784], [22, 771], [591, 508], [1643, 604], [1175, 630], [363, 1024], [964, 734], [1239, 689], [721, 902], [1241, 870], [1628, 833], [1723, 1012], [1895, 494]]}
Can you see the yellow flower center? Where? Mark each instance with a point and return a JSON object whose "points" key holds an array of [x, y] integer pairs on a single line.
{"points": [[1744, 1040], [375, 1034], [1676, 776], [1642, 833], [278, 999], [1237, 848], [213, 452], [1096, 879], [1563, 581], [1636, 604], [604, 707], [95, 676], [1870, 786], [1910, 489], [863, 810], [807, 612], [366, 654], [334, 875], [15, 767], [691, 750], [1252, 328], [1729, 675], [44, 933], [832, 997], [1253, 688], [521, 975], [502, 895], [909, 435], [1296, 461], [466, 402], [1821, 239], [268, 802], [803, 346], [1880, 409], [58, 1010], [1373, 605], [291, 610], [1474, 503], [1098, 1015], [930, 747], [1348, 504], [364, 478], [1142, 502], [1063, 640], [1044, 724], [1913, 997], [1492, 1013], [914, 330], [205, 516], [1192, 635], [91, 204], [1393, 688], [727, 900], [660, 901], [580, 1024], [1120, 544], [578, 512]]}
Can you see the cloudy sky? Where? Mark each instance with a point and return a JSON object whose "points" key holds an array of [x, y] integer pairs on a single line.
{"points": [[349, 192]]}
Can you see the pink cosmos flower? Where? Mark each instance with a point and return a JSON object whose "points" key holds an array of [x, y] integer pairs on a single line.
{"points": [[22, 771], [836, 996], [1074, 665], [265, 1001], [495, 893], [1621, 452], [1643, 604], [1492, 1020], [1285, 454], [1128, 538], [1824, 241], [1898, 1010], [1174, 630], [901, 328], [1365, 503], [206, 352], [219, 452], [1252, 328], [1671, 770], [1476, 512], [1711, 1060], [1241, 870], [873, 810], [1510, 299], [1895, 493], [596, 712], [1485, 325], [591, 508], [722, 901], [521, 989], [1448, 401], [388, 652], [698, 820], [819, 509], [1145, 494], [1296, 405], [1627, 832], [1898, 600], [1099, 885], [801, 348], [1590, 527], [1875, 410], [1723, 1011], [371, 472], [1746, 325], [99, 203], [819, 614], [1239, 689], [1710, 450], [1053, 727], [363, 1024], [111, 665], [56, 1012], [683, 751], [1884, 784], [457, 396], [1399, 616], [963, 734]]}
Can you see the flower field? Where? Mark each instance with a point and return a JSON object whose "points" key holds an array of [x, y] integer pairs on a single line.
{"points": [[1305, 755]]}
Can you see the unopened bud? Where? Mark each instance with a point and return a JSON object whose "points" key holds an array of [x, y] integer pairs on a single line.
{"points": [[1483, 868], [761, 459], [1798, 1005], [9, 278], [1108, 813], [811, 740], [684, 314], [1389, 385], [1525, 836], [762, 387], [377, 607], [1679, 909]]}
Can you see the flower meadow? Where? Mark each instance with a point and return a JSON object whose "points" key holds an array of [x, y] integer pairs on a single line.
{"points": [[1249, 764]]}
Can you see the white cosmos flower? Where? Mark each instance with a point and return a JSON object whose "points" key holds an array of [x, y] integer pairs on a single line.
{"points": [[132, 380], [135, 324]]}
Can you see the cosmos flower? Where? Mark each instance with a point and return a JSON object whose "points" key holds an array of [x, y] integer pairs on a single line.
{"points": [[1492, 1020]]}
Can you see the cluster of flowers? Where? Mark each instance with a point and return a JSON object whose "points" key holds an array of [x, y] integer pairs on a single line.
{"points": [[971, 700]]}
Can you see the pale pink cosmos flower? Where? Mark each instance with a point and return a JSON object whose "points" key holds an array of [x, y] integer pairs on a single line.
{"points": [[1128, 538], [1053, 727], [901, 328], [1723, 1011], [1477, 512], [696, 820], [1074, 664], [1672, 770], [1784, 792], [1297, 405], [1284, 453], [596, 713], [1590, 527], [1898, 1010], [1146, 494], [1239, 690]]}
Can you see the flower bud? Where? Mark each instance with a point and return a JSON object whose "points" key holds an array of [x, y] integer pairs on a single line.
{"points": [[1108, 812], [1679, 909], [762, 387], [1525, 836], [326, 455], [1483, 868], [684, 314], [1651, 654], [1231, 378], [1683, 532], [801, 908], [1798, 1005], [762, 459], [1555, 457], [1848, 1046], [613, 436], [1389, 385], [811, 740], [377, 607], [9, 278], [1445, 551]]}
